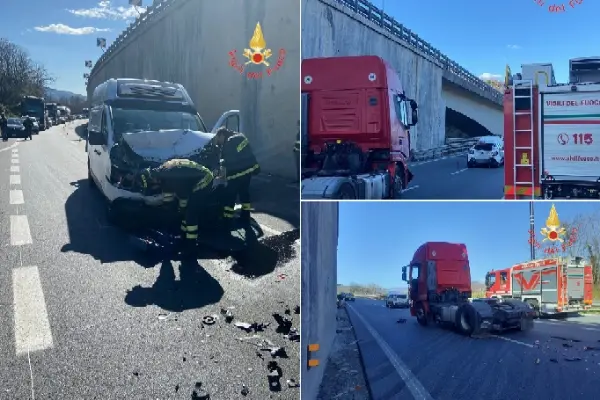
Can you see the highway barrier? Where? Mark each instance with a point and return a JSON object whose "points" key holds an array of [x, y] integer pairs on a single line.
{"points": [[453, 146]]}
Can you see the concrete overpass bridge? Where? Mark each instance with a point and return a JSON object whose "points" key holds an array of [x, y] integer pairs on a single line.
{"points": [[189, 41], [452, 101]]}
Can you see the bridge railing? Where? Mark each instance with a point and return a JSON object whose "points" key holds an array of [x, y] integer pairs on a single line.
{"points": [[453, 146], [379, 17], [152, 13]]}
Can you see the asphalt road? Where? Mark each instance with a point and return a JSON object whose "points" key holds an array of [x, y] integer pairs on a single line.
{"points": [[449, 179], [407, 361], [85, 315]]}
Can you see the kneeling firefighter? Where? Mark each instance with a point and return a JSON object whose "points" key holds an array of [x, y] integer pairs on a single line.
{"points": [[240, 164], [188, 182]]}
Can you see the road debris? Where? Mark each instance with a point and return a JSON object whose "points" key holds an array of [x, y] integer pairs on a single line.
{"points": [[401, 321], [274, 376], [245, 391], [209, 320], [285, 324], [297, 311], [292, 383], [198, 393]]}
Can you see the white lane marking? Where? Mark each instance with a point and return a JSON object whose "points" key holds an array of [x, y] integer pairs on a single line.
{"points": [[514, 341], [12, 146], [15, 179], [592, 329], [19, 230], [15, 168], [459, 171], [15, 150], [410, 188], [14, 160], [410, 380], [32, 326], [292, 185], [16, 197]]}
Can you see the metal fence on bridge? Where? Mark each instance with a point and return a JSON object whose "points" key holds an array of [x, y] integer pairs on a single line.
{"points": [[379, 17]]}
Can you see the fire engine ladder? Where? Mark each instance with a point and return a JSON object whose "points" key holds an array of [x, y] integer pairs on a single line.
{"points": [[524, 86]]}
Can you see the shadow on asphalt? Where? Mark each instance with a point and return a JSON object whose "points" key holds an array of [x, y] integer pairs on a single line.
{"points": [[196, 288], [262, 257], [81, 131]]}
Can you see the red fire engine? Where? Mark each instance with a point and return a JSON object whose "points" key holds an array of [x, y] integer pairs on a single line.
{"points": [[551, 286]]}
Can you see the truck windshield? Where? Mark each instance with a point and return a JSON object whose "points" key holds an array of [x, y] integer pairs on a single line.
{"points": [[490, 279], [133, 120], [484, 146]]}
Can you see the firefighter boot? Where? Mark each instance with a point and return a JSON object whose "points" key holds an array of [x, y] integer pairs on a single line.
{"points": [[245, 214]]}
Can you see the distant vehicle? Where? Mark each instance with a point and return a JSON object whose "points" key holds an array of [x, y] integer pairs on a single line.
{"points": [[350, 297], [396, 300], [52, 112], [489, 151], [34, 107], [15, 128]]}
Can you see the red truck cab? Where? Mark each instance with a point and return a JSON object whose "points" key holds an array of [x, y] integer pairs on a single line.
{"points": [[438, 273], [357, 101]]}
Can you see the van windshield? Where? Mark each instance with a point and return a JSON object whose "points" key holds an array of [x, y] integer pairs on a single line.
{"points": [[133, 120]]}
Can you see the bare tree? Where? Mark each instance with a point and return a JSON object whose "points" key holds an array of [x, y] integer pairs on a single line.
{"points": [[19, 75], [587, 242]]}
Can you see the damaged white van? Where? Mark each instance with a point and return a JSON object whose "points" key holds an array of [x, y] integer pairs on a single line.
{"points": [[136, 124]]}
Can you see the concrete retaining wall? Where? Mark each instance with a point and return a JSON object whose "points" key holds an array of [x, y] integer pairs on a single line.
{"points": [[319, 287], [190, 43], [329, 29]]}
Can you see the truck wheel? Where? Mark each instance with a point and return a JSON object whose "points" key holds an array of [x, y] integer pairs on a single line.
{"points": [[421, 316], [346, 192], [398, 183], [466, 320]]}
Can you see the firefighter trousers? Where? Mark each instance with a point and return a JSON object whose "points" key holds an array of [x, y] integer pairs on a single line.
{"points": [[238, 187]]}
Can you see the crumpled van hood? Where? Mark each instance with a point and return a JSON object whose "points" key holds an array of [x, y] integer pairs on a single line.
{"points": [[163, 145]]}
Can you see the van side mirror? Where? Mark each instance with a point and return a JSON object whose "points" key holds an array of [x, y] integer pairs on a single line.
{"points": [[404, 278], [95, 138]]}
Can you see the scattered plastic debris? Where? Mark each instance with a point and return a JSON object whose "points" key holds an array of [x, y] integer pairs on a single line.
{"points": [[292, 383], [176, 388], [294, 335], [567, 345], [162, 316], [198, 393], [274, 376], [572, 359], [537, 360], [401, 321], [245, 391], [209, 320], [297, 311], [554, 360], [285, 324]]}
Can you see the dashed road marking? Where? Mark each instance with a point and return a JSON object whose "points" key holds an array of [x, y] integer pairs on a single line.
{"points": [[413, 384], [16, 197], [459, 171], [11, 147], [513, 341], [32, 326], [15, 168], [19, 230], [14, 160], [408, 189], [15, 179]]}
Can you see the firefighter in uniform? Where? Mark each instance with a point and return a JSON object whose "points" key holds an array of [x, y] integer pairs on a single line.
{"points": [[190, 184], [240, 164]]}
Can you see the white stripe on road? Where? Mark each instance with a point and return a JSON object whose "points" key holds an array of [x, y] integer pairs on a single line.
{"points": [[12, 146], [15, 168], [410, 380], [513, 341], [19, 230], [15, 179], [16, 197], [32, 327], [14, 160], [410, 188], [458, 172], [15, 155]]}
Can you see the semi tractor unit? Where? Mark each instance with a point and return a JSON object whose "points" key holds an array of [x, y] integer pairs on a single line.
{"points": [[439, 278], [355, 129], [551, 286], [552, 132], [34, 107]]}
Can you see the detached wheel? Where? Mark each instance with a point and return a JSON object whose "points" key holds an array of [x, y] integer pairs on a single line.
{"points": [[346, 192], [421, 315], [466, 320]]}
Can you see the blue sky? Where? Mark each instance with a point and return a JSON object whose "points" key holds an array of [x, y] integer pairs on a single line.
{"points": [[61, 34], [483, 36], [377, 238]]}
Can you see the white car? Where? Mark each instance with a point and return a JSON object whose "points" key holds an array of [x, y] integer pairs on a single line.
{"points": [[136, 124], [397, 301], [489, 151]]}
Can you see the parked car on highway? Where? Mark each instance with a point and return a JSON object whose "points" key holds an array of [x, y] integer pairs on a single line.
{"points": [[397, 301], [15, 128], [489, 151], [350, 297]]}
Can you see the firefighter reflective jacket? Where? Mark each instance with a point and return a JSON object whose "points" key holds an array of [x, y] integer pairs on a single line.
{"points": [[239, 157], [179, 176]]}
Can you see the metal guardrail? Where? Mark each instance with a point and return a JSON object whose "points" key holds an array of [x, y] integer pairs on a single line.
{"points": [[153, 12], [388, 23], [453, 146]]}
